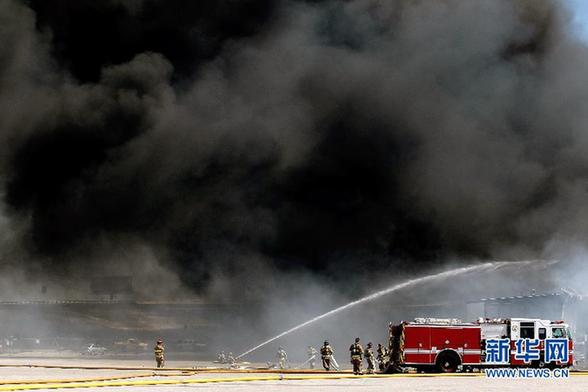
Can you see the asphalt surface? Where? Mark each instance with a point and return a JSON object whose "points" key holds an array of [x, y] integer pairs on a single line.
{"points": [[432, 383]]}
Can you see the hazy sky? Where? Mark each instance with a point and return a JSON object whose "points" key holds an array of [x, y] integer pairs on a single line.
{"points": [[580, 8]]}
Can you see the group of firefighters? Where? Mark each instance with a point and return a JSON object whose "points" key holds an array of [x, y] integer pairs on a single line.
{"points": [[226, 358], [357, 353]]}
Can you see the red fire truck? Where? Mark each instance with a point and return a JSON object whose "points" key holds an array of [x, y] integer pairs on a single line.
{"points": [[446, 345]]}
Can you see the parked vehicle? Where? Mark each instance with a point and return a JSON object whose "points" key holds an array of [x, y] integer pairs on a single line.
{"points": [[446, 345]]}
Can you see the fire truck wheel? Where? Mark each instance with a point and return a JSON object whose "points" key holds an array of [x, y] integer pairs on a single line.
{"points": [[448, 362], [541, 364]]}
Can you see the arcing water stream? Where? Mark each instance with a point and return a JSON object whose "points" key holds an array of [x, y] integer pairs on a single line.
{"points": [[408, 283]]}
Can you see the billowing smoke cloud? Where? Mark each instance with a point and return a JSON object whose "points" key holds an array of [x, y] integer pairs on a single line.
{"points": [[330, 136]]}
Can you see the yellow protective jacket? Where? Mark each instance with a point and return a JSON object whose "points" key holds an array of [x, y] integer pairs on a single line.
{"points": [[158, 350], [326, 351], [356, 351]]}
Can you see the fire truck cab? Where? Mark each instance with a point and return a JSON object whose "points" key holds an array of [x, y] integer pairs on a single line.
{"points": [[446, 345], [521, 328]]}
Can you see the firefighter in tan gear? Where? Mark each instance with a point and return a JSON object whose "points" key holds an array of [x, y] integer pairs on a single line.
{"points": [[312, 354], [382, 355], [356, 356], [326, 355], [159, 354], [282, 357], [231, 360], [369, 357]]}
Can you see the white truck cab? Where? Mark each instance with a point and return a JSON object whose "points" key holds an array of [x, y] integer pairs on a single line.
{"points": [[522, 328]]}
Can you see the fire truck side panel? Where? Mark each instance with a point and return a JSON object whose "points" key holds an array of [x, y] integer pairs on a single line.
{"points": [[423, 343], [571, 351], [417, 344], [513, 361], [472, 352], [446, 338]]}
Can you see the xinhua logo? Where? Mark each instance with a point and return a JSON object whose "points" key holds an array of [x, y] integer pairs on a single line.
{"points": [[556, 350], [527, 373]]}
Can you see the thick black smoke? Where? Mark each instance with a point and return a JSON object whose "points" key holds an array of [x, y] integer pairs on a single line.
{"points": [[88, 35], [333, 136]]}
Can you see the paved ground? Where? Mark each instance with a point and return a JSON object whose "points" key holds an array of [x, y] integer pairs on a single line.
{"points": [[373, 385], [411, 383], [434, 384]]}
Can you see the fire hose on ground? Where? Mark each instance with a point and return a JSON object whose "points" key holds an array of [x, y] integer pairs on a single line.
{"points": [[92, 383]]}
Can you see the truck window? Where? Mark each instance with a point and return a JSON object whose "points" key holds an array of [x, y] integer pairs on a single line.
{"points": [[542, 333], [527, 330], [558, 333], [569, 333]]}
